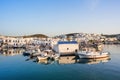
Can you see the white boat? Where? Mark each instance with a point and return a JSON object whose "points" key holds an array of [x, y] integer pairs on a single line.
{"points": [[55, 56], [93, 55], [48, 56], [29, 51], [32, 52], [41, 58]]}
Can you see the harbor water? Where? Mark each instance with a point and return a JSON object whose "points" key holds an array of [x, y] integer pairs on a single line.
{"points": [[18, 67]]}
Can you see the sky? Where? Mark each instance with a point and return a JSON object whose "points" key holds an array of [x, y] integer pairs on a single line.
{"points": [[55, 17]]}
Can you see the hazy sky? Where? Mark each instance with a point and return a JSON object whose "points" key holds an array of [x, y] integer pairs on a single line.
{"points": [[53, 17]]}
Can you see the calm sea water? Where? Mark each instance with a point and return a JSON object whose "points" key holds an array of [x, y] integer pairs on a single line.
{"points": [[17, 67]]}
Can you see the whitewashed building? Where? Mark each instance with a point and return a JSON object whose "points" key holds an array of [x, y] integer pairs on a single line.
{"points": [[66, 47], [16, 42], [13, 42]]}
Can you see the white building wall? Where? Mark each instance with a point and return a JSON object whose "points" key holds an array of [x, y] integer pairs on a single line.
{"points": [[67, 48], [16, 42]]}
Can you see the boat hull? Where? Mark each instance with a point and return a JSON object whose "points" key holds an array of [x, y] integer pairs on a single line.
{"points": [[93, 56], [41, 58]]}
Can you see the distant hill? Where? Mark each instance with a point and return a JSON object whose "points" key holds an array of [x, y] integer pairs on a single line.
{"points": [[36, 35], [71, 34], [111, 36]]}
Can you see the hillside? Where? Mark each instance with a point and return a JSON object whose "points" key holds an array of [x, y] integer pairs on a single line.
{"points": [[71, 34], [36, 35], [112, 35]]}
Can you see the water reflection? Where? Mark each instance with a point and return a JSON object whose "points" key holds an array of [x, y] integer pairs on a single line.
{"points": [[74, 60], [47, 61], [11, 52], [68, 60], [94, 61], [61, 60]]}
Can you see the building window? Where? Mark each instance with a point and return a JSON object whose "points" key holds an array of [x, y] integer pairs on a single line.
{"points": [[9, 40], [76, 50], [5, 40], [67, 48]]}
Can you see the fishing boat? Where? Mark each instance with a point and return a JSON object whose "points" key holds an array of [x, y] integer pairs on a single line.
{"points": [[55, 56], [42, 58], [31, 52], [28, 52], [93, 55], [48, 55]]}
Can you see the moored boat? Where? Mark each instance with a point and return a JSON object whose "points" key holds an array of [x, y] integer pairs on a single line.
{"points": [[41, 58], [93, 55]]}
